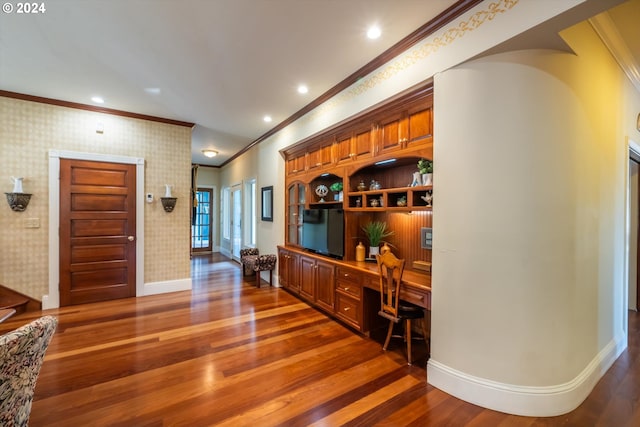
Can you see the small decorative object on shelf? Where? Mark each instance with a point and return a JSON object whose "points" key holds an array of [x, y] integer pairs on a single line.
{"points": [[375, 185], [374, 203], [362, 186], [336, 187], [428, 197], [417, 179], [360, 252], [358, 202], [322, 191], [402, 201], [425, 167], [375, 231]]}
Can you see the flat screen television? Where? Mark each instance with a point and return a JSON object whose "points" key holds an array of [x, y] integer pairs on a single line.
{"points": [[323, 231]]}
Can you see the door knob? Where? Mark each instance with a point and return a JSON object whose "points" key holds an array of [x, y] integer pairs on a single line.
{"points": [[131, 238]]}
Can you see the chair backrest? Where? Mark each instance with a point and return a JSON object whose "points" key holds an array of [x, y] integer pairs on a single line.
{"points": [[390, 269], [21, 356], [249, 251]]}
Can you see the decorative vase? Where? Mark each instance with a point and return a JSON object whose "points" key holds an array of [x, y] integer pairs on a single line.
{"points": [[167, 191], [360, 252], [362, 186], [17, 184], [373, 251], [427, 179], [384, 249]]}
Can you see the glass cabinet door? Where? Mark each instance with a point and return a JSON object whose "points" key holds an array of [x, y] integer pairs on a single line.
{"points": [[295, 208]]}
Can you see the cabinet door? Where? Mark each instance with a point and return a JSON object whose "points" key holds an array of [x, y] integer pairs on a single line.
{"points": [[325, 288], [296, 165], [295, 206], [419, 127], [307, 277], [283, 267], [320, 157], [391, 133], [293, 269]]}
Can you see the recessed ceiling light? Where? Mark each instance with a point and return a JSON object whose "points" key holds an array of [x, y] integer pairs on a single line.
{"points": [[97, 99], [210, 153], [303, 89], [374, 32], [267, 119], [153, 90]]}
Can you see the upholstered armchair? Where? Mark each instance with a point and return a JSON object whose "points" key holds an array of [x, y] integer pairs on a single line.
{"points": [[21, 356]]}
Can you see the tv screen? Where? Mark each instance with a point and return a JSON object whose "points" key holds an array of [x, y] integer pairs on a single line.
{"points": [[323, 231]]}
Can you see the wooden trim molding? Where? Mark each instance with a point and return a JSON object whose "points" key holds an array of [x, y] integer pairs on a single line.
{"points": [[456, 10], [93, 108]]}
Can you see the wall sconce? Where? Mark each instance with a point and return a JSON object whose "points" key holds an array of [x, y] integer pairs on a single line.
{"points": [[18, 200], [168, 202]]}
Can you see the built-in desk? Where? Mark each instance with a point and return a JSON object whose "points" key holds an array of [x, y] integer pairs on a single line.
{"points": [[347, 290]]}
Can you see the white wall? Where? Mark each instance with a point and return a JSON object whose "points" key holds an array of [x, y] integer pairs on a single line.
{"points": [[529, 228]]}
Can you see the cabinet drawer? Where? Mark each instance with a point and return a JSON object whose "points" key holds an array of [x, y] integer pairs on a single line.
{"points": [[417, 298], [349, 288], [349, 310], [348, 275]]}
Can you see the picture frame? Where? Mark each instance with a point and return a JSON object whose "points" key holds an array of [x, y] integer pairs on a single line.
{"points": [[267, 203]]}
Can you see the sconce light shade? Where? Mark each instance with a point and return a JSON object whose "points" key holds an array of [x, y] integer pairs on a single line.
{"points": [[18, 201], [168, 203], [210, 153]]}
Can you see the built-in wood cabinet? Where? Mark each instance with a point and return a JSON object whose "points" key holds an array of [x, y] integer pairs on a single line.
{"points": [[383, 146], [288, 270], [404, 129], [316, 281], [296, 200]]}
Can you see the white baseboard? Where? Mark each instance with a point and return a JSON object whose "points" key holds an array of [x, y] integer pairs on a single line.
{"points": [[154, 288], [545, 401]]}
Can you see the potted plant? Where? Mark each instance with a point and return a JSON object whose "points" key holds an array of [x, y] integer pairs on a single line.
{"points": [[425, 167], [376, 231], [337, 188]]}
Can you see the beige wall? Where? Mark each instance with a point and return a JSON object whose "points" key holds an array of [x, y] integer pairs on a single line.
{"points": [[530, 225], [28, 130]]}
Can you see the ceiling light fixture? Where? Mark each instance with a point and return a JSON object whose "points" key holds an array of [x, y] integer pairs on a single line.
{"points": [[97, 99], [374, 32], [267, 119], [210, 153], [303, 89]]}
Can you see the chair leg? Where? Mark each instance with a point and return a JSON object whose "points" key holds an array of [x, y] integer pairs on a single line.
{"points": [[408, 332], [386, 342], [270, 278], [425, 333]]}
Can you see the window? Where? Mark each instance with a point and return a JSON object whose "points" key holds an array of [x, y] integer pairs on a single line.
{"points": [[251, 220], [226, 213]]}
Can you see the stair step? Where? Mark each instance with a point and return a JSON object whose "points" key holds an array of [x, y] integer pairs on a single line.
{"points": [[17, 303]]}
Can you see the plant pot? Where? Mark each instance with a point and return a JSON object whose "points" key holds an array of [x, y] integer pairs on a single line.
{"points": [[427, 179], [373, 251]]}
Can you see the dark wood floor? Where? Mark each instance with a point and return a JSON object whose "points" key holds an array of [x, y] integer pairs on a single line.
{"points": [[231, 354]]}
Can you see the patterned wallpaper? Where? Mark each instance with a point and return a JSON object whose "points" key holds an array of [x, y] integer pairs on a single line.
{"points": [[28, 130]]}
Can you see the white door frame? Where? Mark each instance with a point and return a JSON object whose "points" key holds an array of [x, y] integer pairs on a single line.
{"points": [[52, 300]]}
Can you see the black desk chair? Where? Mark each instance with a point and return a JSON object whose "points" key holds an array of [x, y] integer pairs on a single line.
{"points": [[391, 308]]}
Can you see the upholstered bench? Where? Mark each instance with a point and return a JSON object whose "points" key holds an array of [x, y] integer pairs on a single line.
{"points": [[253, 262]]}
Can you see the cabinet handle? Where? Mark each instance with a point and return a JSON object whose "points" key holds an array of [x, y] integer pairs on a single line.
{"points": [[351, 154], [346, 274], [318, 164], [346, 289], [347, 308]]}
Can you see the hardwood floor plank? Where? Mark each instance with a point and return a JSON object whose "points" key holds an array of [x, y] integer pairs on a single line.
{"points": [[228, 353]]}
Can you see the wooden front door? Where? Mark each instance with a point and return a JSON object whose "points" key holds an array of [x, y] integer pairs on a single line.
{"points": [[97, 231]]}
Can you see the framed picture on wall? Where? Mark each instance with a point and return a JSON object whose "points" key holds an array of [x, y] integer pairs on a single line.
{"points": [[267, 203]]}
